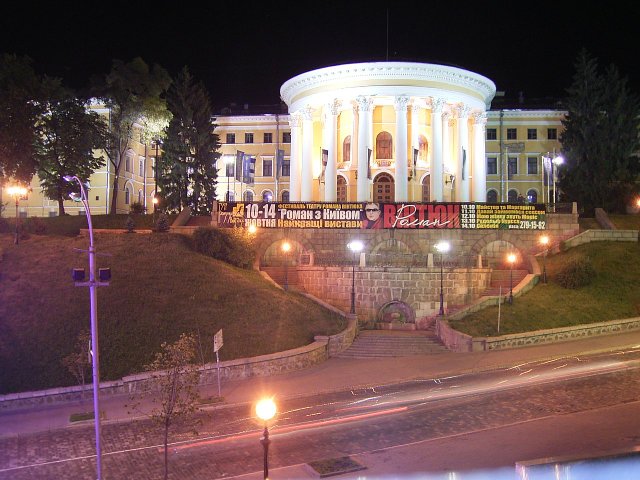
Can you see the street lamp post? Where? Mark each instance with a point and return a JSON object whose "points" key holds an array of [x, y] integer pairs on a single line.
{"points": [[511, 258], [286, 248], [558, 160], [442, 247], [544, 240], [17, 192], [266, 410], [228, 161], [103, 276], [356, 247]]}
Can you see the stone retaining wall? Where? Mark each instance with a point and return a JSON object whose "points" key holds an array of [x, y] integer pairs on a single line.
{"points": [[460, 342], [322, 348], [601, 236]]}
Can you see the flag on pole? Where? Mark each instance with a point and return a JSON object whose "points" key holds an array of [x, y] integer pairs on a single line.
{"points": [[249, 170], [279, 162], [239, 165], [547, 165], [415, 163], [464, 164]]}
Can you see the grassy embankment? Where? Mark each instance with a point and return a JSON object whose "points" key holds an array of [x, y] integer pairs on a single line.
{"points": [[160, 288]]}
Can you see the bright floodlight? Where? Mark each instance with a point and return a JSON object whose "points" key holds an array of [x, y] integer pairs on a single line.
{"points": [[252, 229], [544, 240], [355, 246], [17, 191], [266, 409], [286, 246], [511, 258], [558, 160], [442, 246]]}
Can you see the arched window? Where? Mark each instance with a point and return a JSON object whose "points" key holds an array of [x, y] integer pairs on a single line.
{"points": [[267, 196], [230, 196], [426, 189], [384, 146], [346, 149], [532, 196], [140, 197], [341, 189], [423, 147], [512, 197], [285, 195], [383, 188], [247, 196], [127, 195], [492, 196]]}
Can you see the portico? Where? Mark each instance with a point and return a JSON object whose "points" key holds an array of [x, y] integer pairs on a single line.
{"points": [[388, 131]]}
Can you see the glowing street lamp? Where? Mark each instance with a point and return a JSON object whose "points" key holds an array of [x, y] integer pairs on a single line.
{"points": [[17, 192], [356, 247], [286, 248], [265, 411], [544, 241], [104, 274], [511, 258], [252, 229], [442, 247]]}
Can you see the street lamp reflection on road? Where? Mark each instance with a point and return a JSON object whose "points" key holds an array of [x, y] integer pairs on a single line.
{"points": [[265, 411]]}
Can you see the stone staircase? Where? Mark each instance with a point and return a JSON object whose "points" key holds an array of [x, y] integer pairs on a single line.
{"points": [[277, 274], [386, 343], [501, 279]]}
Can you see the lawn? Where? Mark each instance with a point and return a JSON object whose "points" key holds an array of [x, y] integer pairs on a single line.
{"points": [[160, 288], [613, 294]]}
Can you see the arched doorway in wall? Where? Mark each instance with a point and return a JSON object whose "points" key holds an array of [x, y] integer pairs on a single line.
{"points": [[247, 196], [512, 196], [532, 196], [383, 188], [285, 195], [492, 196], [426, 189], [341, 189]]}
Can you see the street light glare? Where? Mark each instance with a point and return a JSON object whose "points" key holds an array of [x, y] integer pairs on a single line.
{"points": [[286, 246], [511, 258], [266, 409], [355, 246], [442, 246], [544, 240], [559, 160]]}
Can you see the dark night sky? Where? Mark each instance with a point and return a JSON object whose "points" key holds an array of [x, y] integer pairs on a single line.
{"points": [[244, 51]]}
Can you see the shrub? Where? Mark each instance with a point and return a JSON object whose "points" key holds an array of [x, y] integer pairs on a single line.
{"points": [[162, 225], [578, 273], [232, 246], [136, 207], [130, 225]]}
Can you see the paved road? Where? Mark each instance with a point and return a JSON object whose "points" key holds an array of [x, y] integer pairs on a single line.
{"points": [[333, 424]]}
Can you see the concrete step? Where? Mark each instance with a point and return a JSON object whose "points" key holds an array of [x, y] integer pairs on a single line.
{"points": [[384, 343], [501, 280]]}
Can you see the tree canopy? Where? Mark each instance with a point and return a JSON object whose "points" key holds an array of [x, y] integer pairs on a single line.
{"points": [[187, 170], [600, 141]]}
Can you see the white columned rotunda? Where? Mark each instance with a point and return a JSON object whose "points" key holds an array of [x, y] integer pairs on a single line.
{"points": [[370, 118]]}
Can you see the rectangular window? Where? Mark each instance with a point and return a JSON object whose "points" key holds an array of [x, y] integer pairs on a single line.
{"points": [[492, 166], [512, 166], [512, 134], [268, 138], [267, 168], [532, 134], [248, 138], [231, 138], [286, 137], [141, 167], [285, 168], [532, 165], [492, 134], [552, 133], [127, 163]]}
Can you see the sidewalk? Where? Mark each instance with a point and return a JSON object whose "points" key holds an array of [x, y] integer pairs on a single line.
{"points": [[333, 375]]}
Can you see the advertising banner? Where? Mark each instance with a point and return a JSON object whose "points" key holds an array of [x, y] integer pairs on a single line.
{"points": [[368, 215]]}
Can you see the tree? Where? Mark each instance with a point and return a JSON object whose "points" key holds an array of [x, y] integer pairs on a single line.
{"points": [[600, 141], [69, 141], [133, 94], [20, 108], [175, 376], [78, 362], [187, 170]]}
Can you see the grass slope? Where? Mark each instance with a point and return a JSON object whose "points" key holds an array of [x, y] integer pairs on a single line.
{"points": [[159, 289], [613, 294]]}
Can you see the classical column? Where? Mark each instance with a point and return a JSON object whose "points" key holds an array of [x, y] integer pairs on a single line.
{"points": [[446, 155], [295, 122], [364, 105], [330, 130], [479, 170], [436, 158], [306, 180], [402, 171], [415, 145], [464, 163]]}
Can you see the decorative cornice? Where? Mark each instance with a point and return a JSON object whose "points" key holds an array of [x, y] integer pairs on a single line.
{"points": [[437, 104], [387, 73]]}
